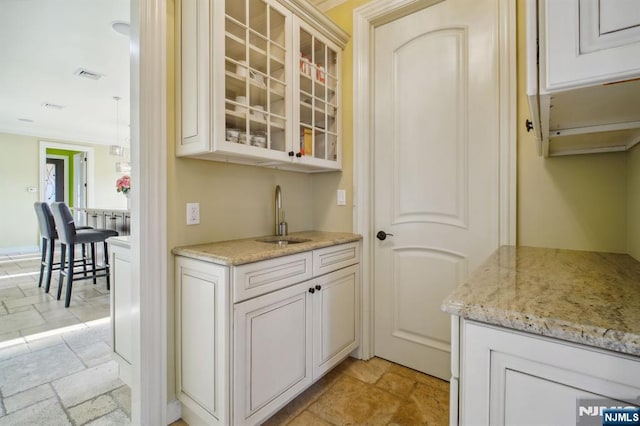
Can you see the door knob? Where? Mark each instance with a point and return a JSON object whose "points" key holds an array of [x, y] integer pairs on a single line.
{"points": [[381, 235]]}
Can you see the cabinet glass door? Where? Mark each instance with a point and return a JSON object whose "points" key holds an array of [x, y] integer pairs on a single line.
{"points": [[318, 98], [255, 74]]}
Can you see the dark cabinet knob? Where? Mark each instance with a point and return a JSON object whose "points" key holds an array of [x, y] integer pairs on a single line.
{"points": [[318, 287], [291, 153], [381, 235], [298, 155], [312, 290], [529, 125]]}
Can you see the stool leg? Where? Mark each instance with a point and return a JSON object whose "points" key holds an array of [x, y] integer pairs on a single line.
{"points": [[93, 262], [67, 300], [106, 264], [63, 253], [52, 246], [84, 259], [42, 258]]}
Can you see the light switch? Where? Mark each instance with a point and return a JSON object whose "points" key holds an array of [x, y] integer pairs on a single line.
{"points": [[193, 213], [342, 197]]}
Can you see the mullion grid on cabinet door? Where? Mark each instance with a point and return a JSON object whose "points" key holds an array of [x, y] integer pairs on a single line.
{"points": [[236, 71], [277, 82], [306, 92]]}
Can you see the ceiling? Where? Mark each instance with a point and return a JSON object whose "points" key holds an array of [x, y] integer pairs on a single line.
{"points": [[42, 44]]}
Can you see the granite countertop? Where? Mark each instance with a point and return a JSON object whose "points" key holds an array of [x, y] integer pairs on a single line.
{"points": [[578, 296], [238, 252]]}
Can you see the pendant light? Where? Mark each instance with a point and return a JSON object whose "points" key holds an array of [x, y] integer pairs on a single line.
{"points": [[117, 149]]}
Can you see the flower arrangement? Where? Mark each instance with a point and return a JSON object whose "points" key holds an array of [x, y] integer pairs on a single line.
{"points": [[123, 184]]}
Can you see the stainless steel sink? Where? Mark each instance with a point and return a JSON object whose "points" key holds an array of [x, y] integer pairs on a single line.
{"points": [[283, 241]]}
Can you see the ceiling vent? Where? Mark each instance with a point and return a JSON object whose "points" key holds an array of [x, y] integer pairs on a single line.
{"points": [[81, 72], [52, 106]]}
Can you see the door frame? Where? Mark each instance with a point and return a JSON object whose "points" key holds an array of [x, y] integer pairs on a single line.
{"points": [[69, 147], [365, 20]]}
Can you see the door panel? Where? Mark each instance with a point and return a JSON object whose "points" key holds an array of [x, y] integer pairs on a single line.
{"points": [[419, 152], [435, 171]]}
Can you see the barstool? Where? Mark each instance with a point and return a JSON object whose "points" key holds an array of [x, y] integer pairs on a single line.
{"points": [[49, 237], [69, 238]]}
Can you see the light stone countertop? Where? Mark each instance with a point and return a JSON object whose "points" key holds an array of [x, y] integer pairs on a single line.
{"points": [[238, 252], [578, 296]]}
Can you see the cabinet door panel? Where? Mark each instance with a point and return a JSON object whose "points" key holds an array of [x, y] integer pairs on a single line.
{"points": [[336, 318], [577, 51], [510, 377], [272, 352]]}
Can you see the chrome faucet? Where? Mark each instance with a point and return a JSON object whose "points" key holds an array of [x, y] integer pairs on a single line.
{"points": [[281, 225]]}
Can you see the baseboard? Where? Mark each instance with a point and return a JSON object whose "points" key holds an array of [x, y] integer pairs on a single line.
{"points": [[174, 411], [19, 250]]}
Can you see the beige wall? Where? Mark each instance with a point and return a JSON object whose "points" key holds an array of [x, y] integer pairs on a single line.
{"points": [[327, 215], [19, 169], [633, 203]]}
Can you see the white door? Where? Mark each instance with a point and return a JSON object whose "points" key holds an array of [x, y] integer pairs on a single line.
{"points": [[436, 172]]}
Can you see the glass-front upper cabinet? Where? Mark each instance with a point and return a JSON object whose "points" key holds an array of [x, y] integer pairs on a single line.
{"points": [[255, 75], [318, 99], [258, 83]]}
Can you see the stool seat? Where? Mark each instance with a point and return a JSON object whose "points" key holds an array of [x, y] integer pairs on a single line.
{"points": [[93, 236]]}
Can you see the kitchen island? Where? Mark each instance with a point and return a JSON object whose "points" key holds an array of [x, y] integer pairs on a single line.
{"points": [[258, 320], [544, 328]]}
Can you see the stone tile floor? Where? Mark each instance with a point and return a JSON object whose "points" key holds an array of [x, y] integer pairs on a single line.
{"points": [[374, 392], [63, 378], [56, 366], [26, 309]]}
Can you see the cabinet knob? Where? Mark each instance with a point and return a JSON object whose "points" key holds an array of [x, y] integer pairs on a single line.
{"points": [[318, 287], [298, 155], [312, 290], [291, 153], [529, 125]]}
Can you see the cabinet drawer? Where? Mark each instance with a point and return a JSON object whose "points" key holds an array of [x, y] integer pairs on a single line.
{"points": [[336, 257], [254, 279]]}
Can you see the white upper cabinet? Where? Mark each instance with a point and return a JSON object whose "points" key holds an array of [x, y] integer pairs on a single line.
{"points": [[583, 62], [258, 84]]}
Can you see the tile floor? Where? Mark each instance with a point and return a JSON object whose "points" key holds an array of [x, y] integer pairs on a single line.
{"points": [[63, 379], [56, 366], [26, 309], [375, 392]]}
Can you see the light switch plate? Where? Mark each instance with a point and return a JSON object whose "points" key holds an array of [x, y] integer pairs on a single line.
{"points": [[342, 197], [193, 213]]}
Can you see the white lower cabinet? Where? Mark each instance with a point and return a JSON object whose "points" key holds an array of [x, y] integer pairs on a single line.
{"points": [[275, 343], [272, 352], [515, 378]]}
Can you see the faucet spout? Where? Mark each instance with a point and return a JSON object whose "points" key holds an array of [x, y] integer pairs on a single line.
{"points": [[278, 208]]}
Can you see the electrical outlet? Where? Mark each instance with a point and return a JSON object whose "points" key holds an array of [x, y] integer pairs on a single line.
{"points": [[342, 197], [193, 213]]}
